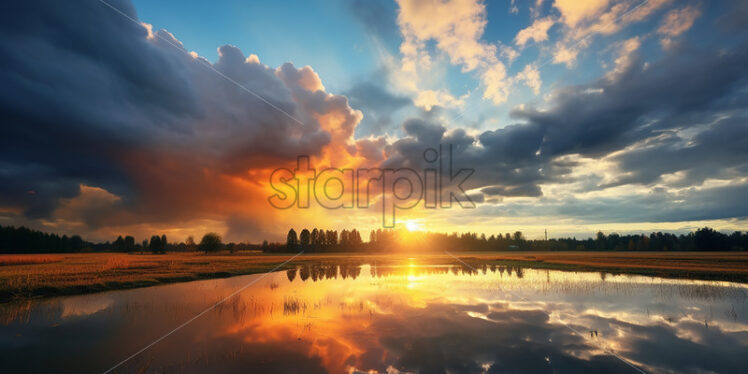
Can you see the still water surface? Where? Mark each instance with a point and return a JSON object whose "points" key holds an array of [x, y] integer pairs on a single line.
{"points": [[342, 318]]}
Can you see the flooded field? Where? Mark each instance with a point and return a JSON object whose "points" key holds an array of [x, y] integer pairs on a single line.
{"points": [[344, 317]]}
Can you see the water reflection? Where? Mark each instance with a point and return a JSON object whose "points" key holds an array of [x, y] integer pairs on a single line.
{"points": [[353, 317]]}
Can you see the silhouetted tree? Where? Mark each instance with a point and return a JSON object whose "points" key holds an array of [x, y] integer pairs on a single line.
{"points": [[211, 242], [155, 243], [706, 239], [119, 244], [304, 238], [292, 241], [76, 243], [129, 243], [332, 237], [314, 240], [344, 237], [190, 243]]}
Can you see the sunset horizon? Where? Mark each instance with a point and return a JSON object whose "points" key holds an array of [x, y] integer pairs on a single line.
{"points": [[561, 135], [353, 186]]}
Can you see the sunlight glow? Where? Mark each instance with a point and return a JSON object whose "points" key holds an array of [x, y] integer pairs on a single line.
{"points": [[412, 225]]}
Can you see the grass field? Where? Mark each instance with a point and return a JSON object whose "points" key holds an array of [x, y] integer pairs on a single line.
{"points": [[26, 276]]}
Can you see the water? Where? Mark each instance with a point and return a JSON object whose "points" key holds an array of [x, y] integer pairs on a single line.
{"points": [[396, 318]]}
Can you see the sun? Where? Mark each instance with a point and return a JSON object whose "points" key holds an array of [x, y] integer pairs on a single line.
{"points": [[411, 225]]}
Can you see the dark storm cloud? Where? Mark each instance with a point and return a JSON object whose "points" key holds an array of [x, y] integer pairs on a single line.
{"points": [[424, 132], [687, 87], [680, 113], [377, 104], [721, 150], [505, 159], [691, 204], [735, 20], [89, 97], [61, 81], [372, 96]]}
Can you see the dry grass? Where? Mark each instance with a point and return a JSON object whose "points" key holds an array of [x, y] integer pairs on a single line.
{"points": [[47, 275], [91, 272], [732, 266], [8, 260]]}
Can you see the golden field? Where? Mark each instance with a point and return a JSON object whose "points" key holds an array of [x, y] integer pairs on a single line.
{"points": [[37, 275]]}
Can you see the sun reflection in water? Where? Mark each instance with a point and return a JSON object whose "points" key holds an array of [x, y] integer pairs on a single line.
{"points": [[346, 317]]}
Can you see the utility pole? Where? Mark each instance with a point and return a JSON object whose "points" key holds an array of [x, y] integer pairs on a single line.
{"points": [[546, 234]]}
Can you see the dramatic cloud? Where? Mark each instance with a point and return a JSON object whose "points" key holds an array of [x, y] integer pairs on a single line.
{"points": [[647, 98], [377, 104], [102, 104], [658, 122], [112, 127]]}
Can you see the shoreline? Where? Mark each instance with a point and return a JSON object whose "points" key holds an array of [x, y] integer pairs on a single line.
{"points": [[51, 275]]}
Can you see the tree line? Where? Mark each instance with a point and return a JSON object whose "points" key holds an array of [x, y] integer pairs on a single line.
{"points": [[25, 240], [319, 240], [211, 242], [388, 240]]}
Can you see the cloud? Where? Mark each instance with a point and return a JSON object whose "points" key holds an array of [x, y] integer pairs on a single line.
{"points": [[127, 114], [513, 9], [428, 99], [622, 118], [655, 206], [704, 204], [531, 77], [378, 105], [524, 190], [575, 11], [537, 32], [496, 84], [735, 20], [508, 53], [108, 126], [722, 143], [626, 54], [377, 16], [607, 115], [456, 26], [676, 22], [585, 19]]}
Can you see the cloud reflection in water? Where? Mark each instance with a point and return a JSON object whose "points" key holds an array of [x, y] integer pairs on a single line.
{"points": [[342, 317]]}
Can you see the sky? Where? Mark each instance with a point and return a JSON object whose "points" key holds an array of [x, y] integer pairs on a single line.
{"points": [[575, 116]]}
